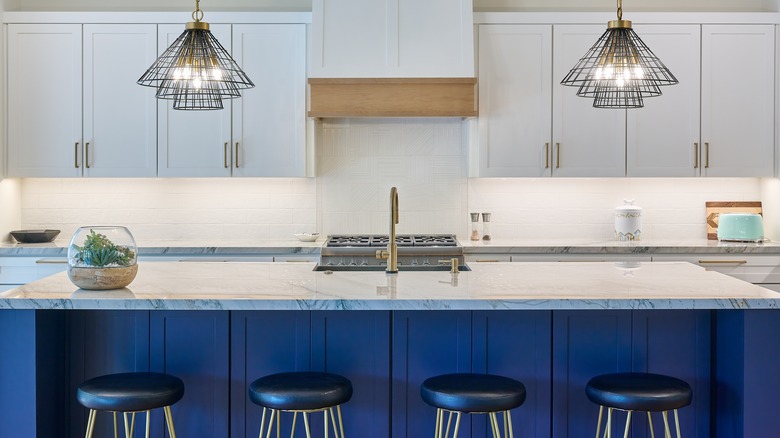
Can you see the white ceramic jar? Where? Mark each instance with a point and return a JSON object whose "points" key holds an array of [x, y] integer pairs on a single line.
{"points": [[628, 221]]}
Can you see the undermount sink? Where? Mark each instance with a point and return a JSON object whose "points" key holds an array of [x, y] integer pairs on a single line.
{"points": [[408, 268]]}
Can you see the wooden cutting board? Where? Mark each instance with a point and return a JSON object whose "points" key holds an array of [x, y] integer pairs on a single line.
{"points": [[715, 209]]}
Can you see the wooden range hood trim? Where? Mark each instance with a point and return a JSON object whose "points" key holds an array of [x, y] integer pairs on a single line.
{"points": [[393, 97]]}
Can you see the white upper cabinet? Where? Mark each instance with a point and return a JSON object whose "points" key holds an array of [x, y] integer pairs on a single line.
{"points": [[515, 98], [738, 96], [49, 133], [392, 38], [663, 137], [269, 121], [44, 100], [586, 141], [120, 126], [193, 143]]}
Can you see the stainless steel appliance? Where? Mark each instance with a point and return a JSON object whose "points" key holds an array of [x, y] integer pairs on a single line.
{"points": [[413, 250]]}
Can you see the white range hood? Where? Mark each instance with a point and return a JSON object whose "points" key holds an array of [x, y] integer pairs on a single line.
{"points": [[395, 58]]}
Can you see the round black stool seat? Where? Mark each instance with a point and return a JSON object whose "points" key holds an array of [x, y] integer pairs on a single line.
{"points": [[130, 392], [300, 391], [473, 392], [639, 392]]}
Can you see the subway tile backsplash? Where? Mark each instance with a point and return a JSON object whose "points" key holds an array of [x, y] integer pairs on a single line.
{"points": [[357, 161]]}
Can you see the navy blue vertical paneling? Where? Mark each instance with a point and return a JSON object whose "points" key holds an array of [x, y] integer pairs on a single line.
{"points": [[676, 343], [517, 344], [762, 378], [104, 342], [585, 344], [729, 373], [194, 346], [52, 372], [425, 344], [357, 346], [262, 343], [17, 373]]}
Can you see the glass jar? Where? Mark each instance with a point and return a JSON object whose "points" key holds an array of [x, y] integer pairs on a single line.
{"points": [[474, 226], [102, 257]]}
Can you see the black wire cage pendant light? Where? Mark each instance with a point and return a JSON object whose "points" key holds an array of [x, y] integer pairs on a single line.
{"points": [[196, 72], [619, 71]]}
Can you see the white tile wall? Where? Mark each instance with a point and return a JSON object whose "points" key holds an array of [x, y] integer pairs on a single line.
{"points": [[358, 160]]}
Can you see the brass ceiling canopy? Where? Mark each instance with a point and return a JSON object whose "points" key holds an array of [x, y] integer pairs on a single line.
{"points": [[619, 71], [196, 72]]}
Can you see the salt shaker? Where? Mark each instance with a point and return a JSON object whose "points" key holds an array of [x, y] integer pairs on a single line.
{"points": [[628, 221], [485, 226], [474, 230]]}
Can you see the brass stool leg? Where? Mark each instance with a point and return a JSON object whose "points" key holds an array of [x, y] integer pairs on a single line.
{"points": [[509, 420], [91, 423], [598, 425], [116, 434], [677, 422], [628, 424], [333, 422], [667, 432], [325, 417], [306, 424], [650, 424], [437, 430], [262, 423], [271, 423], [169, 418], [449, 422], [148, 423], [295, 419], [457, 426], [608, 432], [494, 425], [341, 422]]}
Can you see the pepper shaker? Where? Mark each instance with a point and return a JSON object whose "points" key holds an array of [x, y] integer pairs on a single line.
{"points": [[474, 230], [485, 226]]}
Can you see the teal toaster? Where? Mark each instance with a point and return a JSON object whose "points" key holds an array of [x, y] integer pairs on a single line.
{"points": [[740, 227]]}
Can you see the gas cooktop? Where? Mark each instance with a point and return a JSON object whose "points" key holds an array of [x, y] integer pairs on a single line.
{"points": [[402, 240]]}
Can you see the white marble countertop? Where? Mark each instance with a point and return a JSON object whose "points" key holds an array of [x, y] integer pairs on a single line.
{"points": [[499, 286]]}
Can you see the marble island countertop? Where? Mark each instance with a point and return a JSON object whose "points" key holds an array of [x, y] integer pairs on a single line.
{"points": [[499, 286], [211, 247]]}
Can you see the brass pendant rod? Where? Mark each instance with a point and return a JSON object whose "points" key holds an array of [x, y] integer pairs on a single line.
{"points": [[197, 14]]}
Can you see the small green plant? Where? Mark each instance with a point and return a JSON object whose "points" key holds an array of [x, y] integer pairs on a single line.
{"points": [[99, 251]]}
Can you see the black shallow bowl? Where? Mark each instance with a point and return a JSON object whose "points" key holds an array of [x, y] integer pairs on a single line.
{"points": [[35, 236]]}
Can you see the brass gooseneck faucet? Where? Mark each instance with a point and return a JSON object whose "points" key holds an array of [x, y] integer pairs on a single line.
{"points": [[391, 253]]}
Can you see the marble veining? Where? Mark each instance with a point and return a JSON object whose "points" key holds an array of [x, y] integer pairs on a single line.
{"points": [[497, 286]]}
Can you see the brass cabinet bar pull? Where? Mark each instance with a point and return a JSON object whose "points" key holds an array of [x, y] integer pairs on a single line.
{"points": [[547, 155], [86, 159], [487, 261], [76, 155], [706, 155], [558, 155], [224, 152], [51, 261], [236, 155], [722, 262], [696, 155]]}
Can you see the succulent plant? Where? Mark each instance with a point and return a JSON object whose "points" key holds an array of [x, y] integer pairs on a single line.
{"points": [[99, 251]]}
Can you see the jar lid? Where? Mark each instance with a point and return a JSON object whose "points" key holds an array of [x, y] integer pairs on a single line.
{"points": [[629, 206]]}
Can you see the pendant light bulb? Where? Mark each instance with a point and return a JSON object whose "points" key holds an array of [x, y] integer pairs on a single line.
{"points": [[196, 72], [619, 71]]}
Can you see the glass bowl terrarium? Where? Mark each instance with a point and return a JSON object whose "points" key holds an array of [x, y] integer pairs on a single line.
{"points": [[102, 258]]}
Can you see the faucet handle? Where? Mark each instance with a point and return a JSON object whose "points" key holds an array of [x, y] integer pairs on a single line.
{"points": [[382, 254], [453, 262]]}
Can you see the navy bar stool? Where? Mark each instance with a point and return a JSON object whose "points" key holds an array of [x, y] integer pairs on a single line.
{"points": [[130, 393], [304, 393], [645, 392], [472, 394]]}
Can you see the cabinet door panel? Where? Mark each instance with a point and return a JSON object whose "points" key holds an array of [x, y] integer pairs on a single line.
{"points": [[264, 343], [269, 121], [357, 346], [661, 135], [515, 64], [585, 345], [676, 343], [120, 117], [517, 344], [738, 97], [592, 141], [44, 94], [193, 143], [194, 346], [426, 344]]}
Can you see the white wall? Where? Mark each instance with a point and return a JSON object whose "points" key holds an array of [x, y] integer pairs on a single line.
{"points": [[629, 5], [358, 160], [157, 5]]}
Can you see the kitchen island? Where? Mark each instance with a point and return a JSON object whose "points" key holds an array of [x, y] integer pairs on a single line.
{"points": [[551, 325]]}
